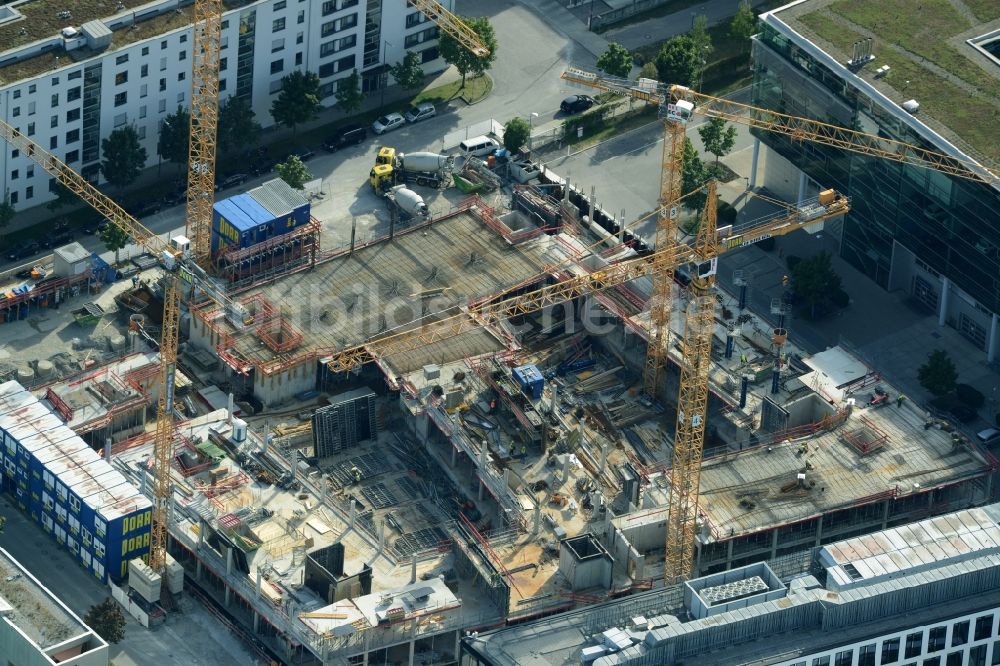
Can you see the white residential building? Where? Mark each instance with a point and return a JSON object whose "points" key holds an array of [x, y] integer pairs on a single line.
{"points": [[69, 90]]}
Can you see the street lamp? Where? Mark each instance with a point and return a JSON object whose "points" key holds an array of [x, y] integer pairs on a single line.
{"points": [[385, 73], [531, 126]]}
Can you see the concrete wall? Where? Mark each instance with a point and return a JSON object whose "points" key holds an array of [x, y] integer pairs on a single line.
{"points": [[16, 648]]}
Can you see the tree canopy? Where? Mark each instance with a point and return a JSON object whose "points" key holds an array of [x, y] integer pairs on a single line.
{"points": [[238, 126], [743, 25], [294, 172], [107, 619], [615, 61], [814, 281], [408, 74], [938, 374], [298, 101], [349, 96], [717, 137], [175, 136], [464, 60], [694, 175], [678, 61], [124, 156], [114, 238], [516, 134], [7, 211]]}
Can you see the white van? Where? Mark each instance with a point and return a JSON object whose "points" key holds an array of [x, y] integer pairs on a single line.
{"points": [[478, 146]]}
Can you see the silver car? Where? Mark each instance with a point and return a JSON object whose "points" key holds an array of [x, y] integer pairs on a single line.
{"points": [[387, 123], [421, 111]]}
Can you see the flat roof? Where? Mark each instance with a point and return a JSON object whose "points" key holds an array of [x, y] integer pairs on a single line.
{"points": [[385, 286], [930, 60], [756, 489], [243, 212], [35, 611]]}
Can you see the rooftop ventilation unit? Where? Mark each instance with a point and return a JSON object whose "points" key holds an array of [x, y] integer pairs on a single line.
{"points": [[911, 106]]}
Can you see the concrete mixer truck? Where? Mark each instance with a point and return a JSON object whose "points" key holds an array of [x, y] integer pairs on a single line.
{"points": [[427, 169]]}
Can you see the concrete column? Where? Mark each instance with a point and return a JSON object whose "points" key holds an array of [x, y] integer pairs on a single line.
{"points": [[413, 648], [991, 348], [482, 486], [197, 569], [229, 594], [538, 519], [506, 477], [945, 298], [413, 570], [604, 457], [565, 469], [729, 553], [774, 544], [885, 514], [381, 536], [256, 622], [555, 398], [753, 163], [482, 454], [364, 660], [819, 530], [201, 534], [260, 578], [229, 561], [803, 180], [353, 514], [454, 455]]}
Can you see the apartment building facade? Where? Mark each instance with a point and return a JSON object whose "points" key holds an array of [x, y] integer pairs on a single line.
{"points": [[70, 108]]}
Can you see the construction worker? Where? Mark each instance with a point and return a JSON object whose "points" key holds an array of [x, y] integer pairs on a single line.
{"points": [[524, 450], [357, 473], [900, 399], [743, 358]]}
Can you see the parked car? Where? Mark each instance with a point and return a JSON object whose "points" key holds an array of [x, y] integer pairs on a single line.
{"points": [[57, 238], [145, 208], [577, 103], [988, 437], [265, 165], [387, 123], [304, 154], [23, 249], [421, 111], [348, 135], [232, 180]]}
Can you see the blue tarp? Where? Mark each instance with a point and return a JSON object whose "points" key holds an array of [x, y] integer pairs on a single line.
{"points": [[102, 270]]}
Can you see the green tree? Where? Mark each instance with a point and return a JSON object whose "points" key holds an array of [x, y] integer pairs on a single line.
{"points": [[107, 620], [294, 172], [743, 25], [114, 238], [408, 74], [464, 60], [6, 212], [717, 137], [814, 280], [516, 134], [238, 126], [702, 45], [649, 71], [678, 61], [124, 157], [349, 95], [64, 195], [615, 61], [175, 133], [938, 374], [298, 101], [694, 175]]}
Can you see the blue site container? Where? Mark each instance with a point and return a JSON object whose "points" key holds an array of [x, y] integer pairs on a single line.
{"points": [[530, 379], [243, 220]]}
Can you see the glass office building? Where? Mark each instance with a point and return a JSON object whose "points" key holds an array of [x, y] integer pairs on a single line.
{"points": [[933, 236]]}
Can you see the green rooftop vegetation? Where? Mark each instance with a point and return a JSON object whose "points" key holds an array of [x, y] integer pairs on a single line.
{"points": [[39, 64], [928, 60], [41, 18]]}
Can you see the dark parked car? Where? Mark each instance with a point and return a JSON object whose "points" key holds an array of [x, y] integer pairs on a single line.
{"points": [[145, 208], [23, 249], [577, 103], [303, 154], [57, 238], [232, 180], [348, 135]]}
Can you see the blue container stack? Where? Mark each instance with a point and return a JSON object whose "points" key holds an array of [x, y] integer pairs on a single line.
{"points": [[530, 379], [88, 507], [273, 209]]}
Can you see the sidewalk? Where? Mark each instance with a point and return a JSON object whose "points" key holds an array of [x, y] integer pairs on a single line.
{"points": [[269, 136], [554, 14]]}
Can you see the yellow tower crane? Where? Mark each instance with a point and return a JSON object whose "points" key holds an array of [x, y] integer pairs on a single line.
{"points": [[175, 256], [452, 25], [204, 125], [678, 104]]}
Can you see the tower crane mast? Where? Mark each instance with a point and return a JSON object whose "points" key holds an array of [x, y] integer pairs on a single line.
{"points": [[677, 105]]}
